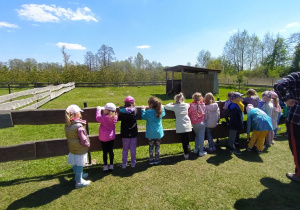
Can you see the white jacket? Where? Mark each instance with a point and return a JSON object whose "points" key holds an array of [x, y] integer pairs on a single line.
{"points": [[183, 122], [212, 115]]}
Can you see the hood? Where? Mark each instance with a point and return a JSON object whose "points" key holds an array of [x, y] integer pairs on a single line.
{"points": [[212, 107]]}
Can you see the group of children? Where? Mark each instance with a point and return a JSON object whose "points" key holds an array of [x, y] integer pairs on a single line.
{"points": [[200, 116]]}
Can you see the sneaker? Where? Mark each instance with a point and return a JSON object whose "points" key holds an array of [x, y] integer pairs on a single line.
{"points": [[235, 151], [249, 149], [195, 151], [111, 166], [186, 156], [105, 168], [237, 144], [151, 162], [133, 165], [83, 183], [272, 142], [259, 151], [157, 161], [211, 149], [293, 177], [189, 148], [124, 166], [85, 175], [201, 154]]}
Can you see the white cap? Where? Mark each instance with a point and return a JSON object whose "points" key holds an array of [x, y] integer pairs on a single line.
{"points": [[73, 109], [110, 107], [249, 107]]}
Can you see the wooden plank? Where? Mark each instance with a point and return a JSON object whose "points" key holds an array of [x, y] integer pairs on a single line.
{"points": [[24, 151], [5, 120]]}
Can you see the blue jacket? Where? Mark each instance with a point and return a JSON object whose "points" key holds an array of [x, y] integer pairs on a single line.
{"points": [[154, 129], [235, 117], [258, 120]]}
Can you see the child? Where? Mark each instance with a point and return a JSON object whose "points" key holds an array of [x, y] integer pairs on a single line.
{"points": [[154, 129], [78, 142], [183, 122], [197, 116], [276, 112], [236, 115], [267, 107], [212, 117], [107, 132], [252, 98], [129, 130], [260, 122]]}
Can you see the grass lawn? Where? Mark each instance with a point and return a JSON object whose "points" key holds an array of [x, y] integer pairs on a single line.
{"points": [[216, 181]]}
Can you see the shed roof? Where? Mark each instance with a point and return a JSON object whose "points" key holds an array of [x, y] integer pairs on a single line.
{"points": [[190, 69]]}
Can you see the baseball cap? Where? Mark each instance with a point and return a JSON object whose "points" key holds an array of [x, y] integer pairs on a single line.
{"points": [[236, 95], [73, 109], [110, 107]]}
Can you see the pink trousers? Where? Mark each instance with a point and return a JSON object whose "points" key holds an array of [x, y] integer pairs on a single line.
{"points": [[129, 144]]}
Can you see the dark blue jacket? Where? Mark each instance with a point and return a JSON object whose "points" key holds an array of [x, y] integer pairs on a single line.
{"points": [[235, 117]]}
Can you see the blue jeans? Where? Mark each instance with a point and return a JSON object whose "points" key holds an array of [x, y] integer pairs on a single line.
{"points": [[210, 139], [199, 130], [78, 170]]}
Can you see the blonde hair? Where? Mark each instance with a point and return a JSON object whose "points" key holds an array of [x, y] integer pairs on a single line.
{"points": [[156, 105], [197, 96], [209, 98], [112, 114], [251, 92], [276, 102], [69, 116], [179, 98]]}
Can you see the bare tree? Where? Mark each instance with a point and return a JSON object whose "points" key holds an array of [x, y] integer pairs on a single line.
{"points": [[65, 56], [203, 58], [89, 60], [105, 55]]}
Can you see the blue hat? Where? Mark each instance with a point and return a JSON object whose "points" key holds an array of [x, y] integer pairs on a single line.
{"points": [[236, 95]]}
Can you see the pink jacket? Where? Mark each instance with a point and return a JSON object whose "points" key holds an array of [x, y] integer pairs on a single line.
{"points": [[107, 128], [197, 112]]}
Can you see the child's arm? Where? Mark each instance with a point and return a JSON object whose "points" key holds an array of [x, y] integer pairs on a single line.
{"points": [[169, 106], [83, 138], [98, 114], [143, 113]]}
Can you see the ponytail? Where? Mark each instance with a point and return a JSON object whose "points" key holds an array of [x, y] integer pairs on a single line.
{"points": [[68, 118], [156, 105], [179, 98]]}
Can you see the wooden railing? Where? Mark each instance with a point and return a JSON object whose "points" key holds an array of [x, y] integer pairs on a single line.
{"points": [[58, 147]]}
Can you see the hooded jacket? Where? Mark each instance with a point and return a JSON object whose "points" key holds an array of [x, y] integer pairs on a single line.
{"points": [[212, 115], [107, 128], [128, 122], [236, 117], [154, 129], [183, 122], [258, 120]]}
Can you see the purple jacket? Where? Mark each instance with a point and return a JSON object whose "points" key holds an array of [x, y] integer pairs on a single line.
{"points": [[107, 128]]}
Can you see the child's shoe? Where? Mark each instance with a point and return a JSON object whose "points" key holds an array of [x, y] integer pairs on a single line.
{"points": [[124, 166], [212, 149], [201, 154], [186, 156], [111, 167], [82, 183], [105, 168], [189, 148], [133, 165], [157, 161], [85, 175], [195, 151], [249, 149], [235, 151], [151, 162]]}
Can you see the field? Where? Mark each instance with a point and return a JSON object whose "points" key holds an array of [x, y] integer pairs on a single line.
{"points": [[216, 181]]}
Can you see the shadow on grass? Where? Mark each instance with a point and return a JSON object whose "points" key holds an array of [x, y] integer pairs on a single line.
{"points": [[44, 196], [278, 195], [222, 155]]}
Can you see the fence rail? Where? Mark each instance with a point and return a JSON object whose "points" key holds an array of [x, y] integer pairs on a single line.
{"points": [[46, 93], [58, 147]]}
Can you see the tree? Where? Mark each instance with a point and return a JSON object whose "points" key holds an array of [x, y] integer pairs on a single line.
{"points": [[139, 61], [89, 60], [203, 58], [253, 50], [66, 57], [267, 46], [105, 55], [295, 67]]}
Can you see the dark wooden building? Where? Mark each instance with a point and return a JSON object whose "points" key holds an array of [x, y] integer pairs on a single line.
{"points": [[193, 80]]}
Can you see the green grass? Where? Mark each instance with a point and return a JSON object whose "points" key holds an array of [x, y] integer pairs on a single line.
{"points": [[216, 181]]}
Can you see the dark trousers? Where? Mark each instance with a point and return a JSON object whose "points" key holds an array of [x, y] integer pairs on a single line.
{"points": [[185, 141], [107, 147], [294, 143]]}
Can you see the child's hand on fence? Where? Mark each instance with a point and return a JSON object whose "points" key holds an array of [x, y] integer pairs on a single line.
{"points": [[143, 107], [99, 107]]}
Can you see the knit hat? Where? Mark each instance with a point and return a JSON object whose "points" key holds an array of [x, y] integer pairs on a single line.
{"points": [[73, 109], [249, 107], [267, 94], [110, 107], [129, 99], [236, 95]]}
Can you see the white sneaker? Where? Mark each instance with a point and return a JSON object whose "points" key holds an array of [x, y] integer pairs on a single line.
{"points": [[105, 168], [201, 154], [83, 183], [85, 175]]}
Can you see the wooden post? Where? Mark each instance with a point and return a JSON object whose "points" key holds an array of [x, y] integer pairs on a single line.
{"points": [[88, 133]]}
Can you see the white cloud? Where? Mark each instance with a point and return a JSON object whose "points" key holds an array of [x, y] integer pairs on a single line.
{"points": [[8, 25], [282, 30], [70, 46], [292, 24], [143, 47], [232, 31], [52, 13]]}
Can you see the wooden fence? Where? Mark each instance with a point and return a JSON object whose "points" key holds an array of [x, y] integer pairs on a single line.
{"points": [[40, 97], [58, 147]]}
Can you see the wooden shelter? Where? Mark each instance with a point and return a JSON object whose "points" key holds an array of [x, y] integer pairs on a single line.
{"points": [[193, 80]]}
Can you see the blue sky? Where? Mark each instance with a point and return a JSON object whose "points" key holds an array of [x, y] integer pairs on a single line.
{"points": [[168, 31]]}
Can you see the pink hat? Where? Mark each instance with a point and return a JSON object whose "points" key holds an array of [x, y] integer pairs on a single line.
{"points": [[73, 109], [129, 99]]}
